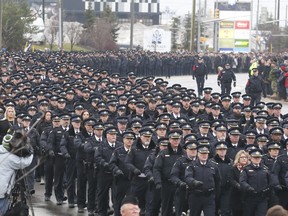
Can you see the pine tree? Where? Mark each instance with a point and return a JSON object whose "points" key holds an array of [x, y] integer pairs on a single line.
{"points": [[110, 17], [174, 30], [89, 17]]}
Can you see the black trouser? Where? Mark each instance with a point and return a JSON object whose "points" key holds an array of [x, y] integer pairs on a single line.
{"points": [[200, 84], [282, 195], [167, 198], [225, 88], [71, 177], [30, 178], [181, 202], [122, 188], [255, 98], [59, 169], [202, 202], [49, 174], [92, 187], [139, 188], [81, 184], [255, 206], [223, 203], [155, 206], [104, 183]]}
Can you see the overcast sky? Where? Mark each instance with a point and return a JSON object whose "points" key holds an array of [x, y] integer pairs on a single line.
{"points": [[182, 7]]}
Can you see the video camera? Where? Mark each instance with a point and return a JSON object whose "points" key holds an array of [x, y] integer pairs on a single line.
{"points": [[18, 143]]}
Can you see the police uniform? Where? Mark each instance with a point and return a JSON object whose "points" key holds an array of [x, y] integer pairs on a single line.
{"points": [[255, 181], [105, 177], [224, 165], [161, 172], [177, 176], [203, 180], [135, 161], [120, 173]]}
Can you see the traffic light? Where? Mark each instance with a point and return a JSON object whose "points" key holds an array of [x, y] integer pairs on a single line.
{"points": [[217, 13]]}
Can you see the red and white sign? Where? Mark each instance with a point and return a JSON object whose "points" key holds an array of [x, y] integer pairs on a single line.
{"points": [[242, 25]]}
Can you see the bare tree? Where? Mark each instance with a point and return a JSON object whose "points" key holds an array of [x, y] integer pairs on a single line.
{"points": [[73, 33], [51, 32]]}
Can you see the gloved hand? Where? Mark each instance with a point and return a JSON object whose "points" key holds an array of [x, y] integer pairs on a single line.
{"points": [[278, 187], [158, 186], [193, 77], [137, 172], [251, 190], [182, 185], [197, 184], [119, 173], [151, 180], [51, 153], [67, 156], [234, 84], [106, 165], [237, 186], [219, 84], [206, 77]]}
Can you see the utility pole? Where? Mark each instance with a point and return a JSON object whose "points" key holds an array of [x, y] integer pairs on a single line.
{"points": [[286, 16], [216, 27], [192, 34], [1, 16], [43, 11], [199, 27], [278, 14], [132, 23], [60, 24], [257, 23]]}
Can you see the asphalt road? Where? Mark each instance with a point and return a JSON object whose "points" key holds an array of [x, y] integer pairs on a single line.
{"points": [[42, 208]]}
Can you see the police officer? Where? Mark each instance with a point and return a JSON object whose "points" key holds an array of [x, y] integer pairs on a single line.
{"points": [[120, 171], [269, 160], [162, 168], [53, 144], [178, 176], [148, 170], [255, 181], [49, 162], [200, 71], [279, 177], [90, 166], [135, 160], [203, 179], [224, 163], [225, 79], [35, 142], [68, 151], [105, 177], [255, 87], [80, 140]]}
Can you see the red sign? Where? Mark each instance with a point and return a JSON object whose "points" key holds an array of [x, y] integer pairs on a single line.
{"points": [[242, 25]]}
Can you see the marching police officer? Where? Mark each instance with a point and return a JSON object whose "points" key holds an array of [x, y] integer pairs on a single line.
{"points": [[68, 151], [255, 181], [279, 177], [225, 79], [200, 71], [135, 160], [162, 168], [90, 166], [178, 176], [224, 163], [120, 171], [53, 143], [148, 170], [203, 179], [105, 177]]}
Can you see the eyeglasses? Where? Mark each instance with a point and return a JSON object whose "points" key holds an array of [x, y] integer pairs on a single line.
{"points": [[244, 157]]}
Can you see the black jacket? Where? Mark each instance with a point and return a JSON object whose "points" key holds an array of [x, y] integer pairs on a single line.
{"points": [[164, 163]]}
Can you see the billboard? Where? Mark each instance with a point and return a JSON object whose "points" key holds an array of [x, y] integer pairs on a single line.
{"points": [[157, 40], [234, 30]]}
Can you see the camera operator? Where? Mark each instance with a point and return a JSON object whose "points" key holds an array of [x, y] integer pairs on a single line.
{"points": [[10, 162]]}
